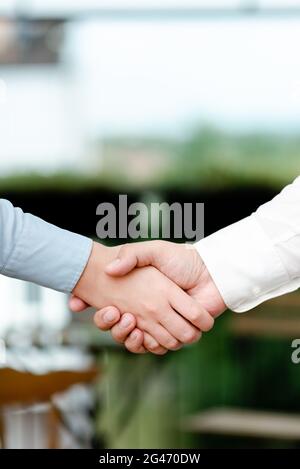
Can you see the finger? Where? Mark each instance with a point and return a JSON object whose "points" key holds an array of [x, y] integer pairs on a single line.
{"points": [[107, 317], [153, 346], [191, 310], [180, 328], [163, 336], [122, 329], [77, 305], [131, 256], [134, 342]]}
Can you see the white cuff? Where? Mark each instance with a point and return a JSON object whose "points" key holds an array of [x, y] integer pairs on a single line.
{"points": [[245, 265]]}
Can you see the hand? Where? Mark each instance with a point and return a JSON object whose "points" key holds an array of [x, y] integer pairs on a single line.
{"points": [[121, 331], [163, 312], [180, 263]]}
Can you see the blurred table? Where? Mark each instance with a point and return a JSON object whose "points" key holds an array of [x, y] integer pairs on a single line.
{"points": [[245, 423], [25, 387], [278, 318], [36, 376]]}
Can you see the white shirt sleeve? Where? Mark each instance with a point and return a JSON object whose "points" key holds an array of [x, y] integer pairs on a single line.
{"points": [[257, 258]]}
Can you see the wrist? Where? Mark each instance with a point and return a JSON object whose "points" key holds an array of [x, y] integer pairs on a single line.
{"points": [[209, 287], [91, 283]]}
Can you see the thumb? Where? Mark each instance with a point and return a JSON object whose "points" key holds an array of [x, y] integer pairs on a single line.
{"points": [[77, 305], [131, 256]]}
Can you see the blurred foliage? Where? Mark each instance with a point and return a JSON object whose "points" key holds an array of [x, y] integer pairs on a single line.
{"points": [[145, 398], [207, 159], [212, 159], [137, 402], [62, 181]]}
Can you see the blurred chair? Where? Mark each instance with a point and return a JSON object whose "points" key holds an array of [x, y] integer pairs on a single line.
{"points": [[25, 388]]}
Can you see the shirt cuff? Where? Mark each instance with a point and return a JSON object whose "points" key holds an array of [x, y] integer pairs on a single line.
{"points": [[48, 256], [244, 265]]}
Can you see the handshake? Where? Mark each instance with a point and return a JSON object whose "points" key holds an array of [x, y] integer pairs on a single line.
{"points": [[154, 296]]}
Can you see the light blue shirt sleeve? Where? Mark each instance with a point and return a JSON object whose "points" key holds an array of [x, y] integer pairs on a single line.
{"points": [[34, 250]]}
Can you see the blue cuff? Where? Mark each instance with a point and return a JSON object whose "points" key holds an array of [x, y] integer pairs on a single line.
{"points": [[47, 255]]}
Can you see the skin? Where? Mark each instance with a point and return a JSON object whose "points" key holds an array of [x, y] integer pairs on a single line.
{"points": [[166, 314], [181, 264]]}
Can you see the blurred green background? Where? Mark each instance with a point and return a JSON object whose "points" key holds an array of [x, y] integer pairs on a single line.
{"points": [[184, 104]]}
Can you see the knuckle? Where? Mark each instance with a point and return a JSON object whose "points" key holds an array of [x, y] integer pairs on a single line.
{"points": [[132, 348], [135, 339], [209, 323], [153, 346], [161, 244], [172, 344], [151, 309], [118, 336], [141, 323], [195, 314], [160, 351], [99, 323], [190, 336], [125, 250]]}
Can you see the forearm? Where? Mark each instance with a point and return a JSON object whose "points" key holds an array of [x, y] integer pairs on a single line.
{"points": [[257, 258], [92, 286], [34, 250]]}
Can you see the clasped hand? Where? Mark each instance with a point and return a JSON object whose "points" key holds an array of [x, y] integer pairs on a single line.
{"points": [[154, 296]]}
